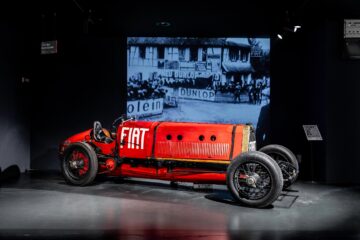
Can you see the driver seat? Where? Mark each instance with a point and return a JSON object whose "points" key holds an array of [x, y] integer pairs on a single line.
{"points": [[101, 134]]}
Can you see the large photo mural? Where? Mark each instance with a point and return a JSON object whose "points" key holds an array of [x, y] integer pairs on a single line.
{"points": [[221, 80]]}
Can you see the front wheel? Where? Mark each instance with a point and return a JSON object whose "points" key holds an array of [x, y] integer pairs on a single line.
{"points": [[79, 164], [254, 179]]}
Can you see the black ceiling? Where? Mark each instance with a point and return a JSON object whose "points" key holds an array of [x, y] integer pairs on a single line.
{"points": [[187, 18]]}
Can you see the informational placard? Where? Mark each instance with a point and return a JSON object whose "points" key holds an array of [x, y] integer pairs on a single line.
{"points": [[352, 39], [49, 47], [352, 28], [312, 133]]}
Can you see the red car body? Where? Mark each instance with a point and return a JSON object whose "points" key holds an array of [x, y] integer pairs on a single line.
{"points": [[182, 152], [189, 152]]}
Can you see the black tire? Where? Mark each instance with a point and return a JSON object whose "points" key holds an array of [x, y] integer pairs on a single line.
{"points": [[264, 169], [282, 154], [79, 176]]}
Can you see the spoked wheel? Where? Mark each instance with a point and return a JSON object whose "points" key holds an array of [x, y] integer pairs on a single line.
{"points": [[79, 164], [286, 160], [254, 179]]}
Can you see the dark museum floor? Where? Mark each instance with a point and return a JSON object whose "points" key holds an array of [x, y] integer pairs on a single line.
{"points": [[44, 207]]}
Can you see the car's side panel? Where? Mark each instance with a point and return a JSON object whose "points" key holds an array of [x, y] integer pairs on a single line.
{"points": [[193, 141], [170, 150], [176, 174], [181, 141], [107, 149], [193, 152], [135, 139]]}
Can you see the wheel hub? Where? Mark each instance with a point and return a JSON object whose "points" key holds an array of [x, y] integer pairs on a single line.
{"points": [[76, 164], [292, 174], [252, 180]]}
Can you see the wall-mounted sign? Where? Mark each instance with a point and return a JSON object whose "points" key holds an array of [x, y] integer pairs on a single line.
{"points": [[171, 64], [200, 66], [312, 133], [49, 47], [256, 52], [352, 28], [351, 38]]}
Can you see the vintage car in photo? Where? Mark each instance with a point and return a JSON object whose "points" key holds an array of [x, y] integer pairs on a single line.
{"points": [[181, 152]]}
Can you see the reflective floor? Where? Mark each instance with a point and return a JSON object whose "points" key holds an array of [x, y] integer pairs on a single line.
{"points": [[44, 207]]}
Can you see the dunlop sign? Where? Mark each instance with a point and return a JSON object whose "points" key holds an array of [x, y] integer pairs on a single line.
{"points": [[198, 94]]}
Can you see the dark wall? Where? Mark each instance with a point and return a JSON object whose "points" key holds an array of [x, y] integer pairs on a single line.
{"points": [[311, 82], [14, 96], [80, 85], [314, 84], [335, 100], [332, 86]]}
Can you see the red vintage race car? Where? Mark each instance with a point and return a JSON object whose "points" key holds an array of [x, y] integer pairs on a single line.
{"points": [[181, 152]]}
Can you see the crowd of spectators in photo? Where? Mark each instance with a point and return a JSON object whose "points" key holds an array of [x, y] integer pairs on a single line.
{"points": [[242, 92], [154, 88], [144, 89], [253, 92]]}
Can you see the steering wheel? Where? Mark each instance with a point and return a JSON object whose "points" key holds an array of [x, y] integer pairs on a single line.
{"points": [[123, 118], [98, 132]]}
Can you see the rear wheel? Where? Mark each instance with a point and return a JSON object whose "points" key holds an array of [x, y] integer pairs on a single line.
{"points": [[79, 164], [286, 160], [254, 179]]}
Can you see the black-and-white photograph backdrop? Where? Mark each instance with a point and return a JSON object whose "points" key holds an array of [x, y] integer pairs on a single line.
{"points": [[218, 80]]}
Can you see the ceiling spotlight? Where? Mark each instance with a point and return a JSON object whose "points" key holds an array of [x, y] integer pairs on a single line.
{"points": [[163, 24], [279, 36], [296, 27]]}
